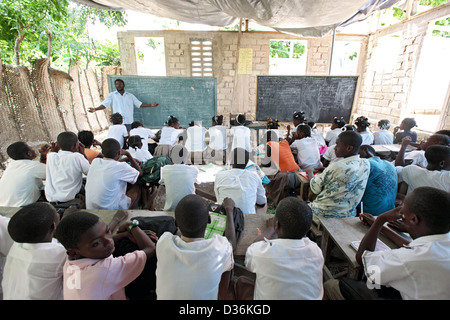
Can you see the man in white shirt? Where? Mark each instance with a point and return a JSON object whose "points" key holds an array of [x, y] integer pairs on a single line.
{"points": [[243, 186], [179, 179], [340, 187], [34, 265], [436, 174], [189, 266], [123, 103], [107, 180], [65, 169], [289, 265], [22, 181]]}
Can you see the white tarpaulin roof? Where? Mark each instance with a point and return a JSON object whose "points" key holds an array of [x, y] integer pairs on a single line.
{"points": [[309, 18]]}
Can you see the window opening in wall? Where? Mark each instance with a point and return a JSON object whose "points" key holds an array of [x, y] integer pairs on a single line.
{"points": [[387, 52], [288, 57], [201, 58], [432, 77], [345, 57], [150, 56]]}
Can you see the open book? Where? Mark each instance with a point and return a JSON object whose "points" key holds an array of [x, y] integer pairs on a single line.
{"points": [[380, 246], [217, 225]]}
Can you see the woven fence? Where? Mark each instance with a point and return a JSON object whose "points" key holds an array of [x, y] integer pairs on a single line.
{"points": [[38, 104]]}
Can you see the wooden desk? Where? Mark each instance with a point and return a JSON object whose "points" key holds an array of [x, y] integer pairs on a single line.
{"points": [[340, 232]]}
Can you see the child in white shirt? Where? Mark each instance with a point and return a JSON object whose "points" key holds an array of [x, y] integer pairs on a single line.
{"points": [[287, 264], [336, 126], [138, 129], [22, 181], [65, 169], [179, 179], [34, 265], [383, 136], [362, 125], [195, 142], [190, 267], [136, 149], [308, 155], [169, 136], [118, 130], [218, 139], [240, 134], [107, 180]]}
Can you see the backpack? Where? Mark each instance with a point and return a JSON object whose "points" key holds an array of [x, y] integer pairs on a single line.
{"points": [[238, 217], [152, 170]]}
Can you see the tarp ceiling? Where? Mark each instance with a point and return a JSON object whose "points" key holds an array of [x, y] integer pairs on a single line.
{"points": [[308, 18]]}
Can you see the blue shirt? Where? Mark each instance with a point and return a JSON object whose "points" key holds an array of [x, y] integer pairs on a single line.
{"points": [[381, 188]]}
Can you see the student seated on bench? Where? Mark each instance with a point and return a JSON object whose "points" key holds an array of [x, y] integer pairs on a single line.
{"points": [[65, 169], [340, 187], [418, 271], [287, 264]]}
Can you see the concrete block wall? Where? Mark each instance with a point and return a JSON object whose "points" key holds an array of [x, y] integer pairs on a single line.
{"points": [[381, 94]]}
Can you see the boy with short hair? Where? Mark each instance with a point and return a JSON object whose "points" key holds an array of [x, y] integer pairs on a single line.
{"points": [[86, 137], [34, 265], [91, 272], [417, 157], [418, 271], [107, 180], [138, 129], [340, 187], [287, 264], [190, 267], [436, 174], [65, 169], [22, 181]]}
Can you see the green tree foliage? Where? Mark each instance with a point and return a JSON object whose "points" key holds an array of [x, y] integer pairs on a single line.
{"points": [[283, 49], [33, 29]]}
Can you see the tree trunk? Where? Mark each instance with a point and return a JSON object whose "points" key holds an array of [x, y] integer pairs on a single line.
{"points": [[17, 44], [49, 47]]}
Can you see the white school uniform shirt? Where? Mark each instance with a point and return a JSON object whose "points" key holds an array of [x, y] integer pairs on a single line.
{"points": [[145, 134], [367, 137], [419, 271], [308, 155], [34, 271], [332, 135], [191, 270], [122, 104], [64, 173], [195, 141], [140, 154], [21, 183], [169, 135], [241, 138], [106, 184], [5, 244], [218, 137], [318, 136], [243, 186], [416, 177], [118, 132], [383, 136], [179, 180], [286, 269]]}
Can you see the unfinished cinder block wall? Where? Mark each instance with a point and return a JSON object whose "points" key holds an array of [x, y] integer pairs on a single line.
{"points": [[381, 94]]}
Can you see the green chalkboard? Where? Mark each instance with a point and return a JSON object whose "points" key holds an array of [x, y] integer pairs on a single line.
{"points": [[186, 98], [321, 97]]}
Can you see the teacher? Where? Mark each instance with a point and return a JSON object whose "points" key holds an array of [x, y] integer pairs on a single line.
{"points": [[123, 103]]}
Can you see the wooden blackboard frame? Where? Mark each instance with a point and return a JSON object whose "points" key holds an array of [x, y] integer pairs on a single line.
{"points": [[292, 105], [183, 104]]}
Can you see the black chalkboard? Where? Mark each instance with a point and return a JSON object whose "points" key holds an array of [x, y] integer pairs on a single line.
{"points": [[321, 97], [186, 98]]}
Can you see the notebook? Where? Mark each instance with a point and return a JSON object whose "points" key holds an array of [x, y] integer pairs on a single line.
{"points": [[380, 246], [217, 225]]}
